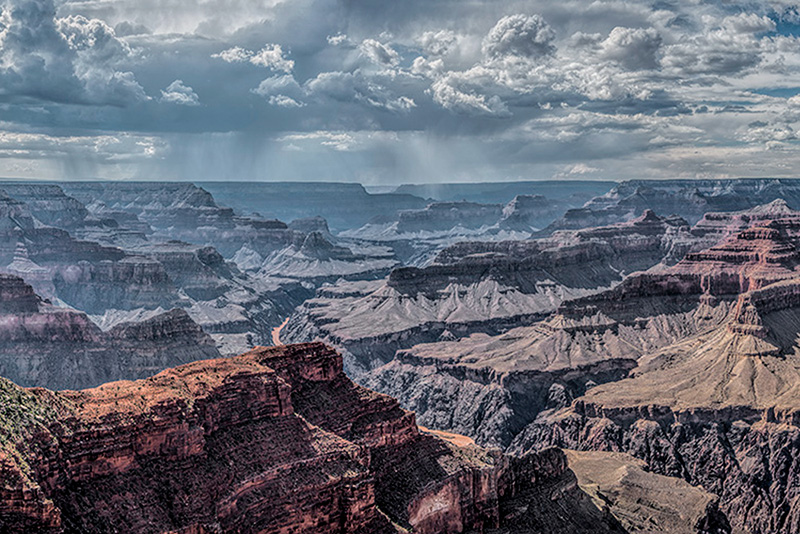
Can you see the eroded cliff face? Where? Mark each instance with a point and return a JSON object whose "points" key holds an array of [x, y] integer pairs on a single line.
{"points": [[716, 405], [42, 345], [690, 199], [481, 287], [700, 380], [276, 440]]}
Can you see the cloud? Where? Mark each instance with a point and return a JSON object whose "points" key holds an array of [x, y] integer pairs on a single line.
{"points": [[126, 28], [379, 53], [749, 23], [108, 148], [271, 57], [282, 91], [437, 43], [339, 141], [336, 40], [520, 35], [359, 87], [632, 48], [576, 170], [451, 93], [69, 60], [433, 90], [178, 93], [728, 49]]}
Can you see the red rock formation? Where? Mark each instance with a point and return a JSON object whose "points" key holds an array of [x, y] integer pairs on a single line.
{"points": [[274, 441]]}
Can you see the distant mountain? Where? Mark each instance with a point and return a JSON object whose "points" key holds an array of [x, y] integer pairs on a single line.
{"points": [[577, 191], [343, 205]]}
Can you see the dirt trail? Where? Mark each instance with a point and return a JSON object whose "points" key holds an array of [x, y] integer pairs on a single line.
{"points": [[276, 333]]}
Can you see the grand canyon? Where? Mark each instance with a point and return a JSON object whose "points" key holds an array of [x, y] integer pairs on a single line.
{"points": [[418, 267], [173, 364]]}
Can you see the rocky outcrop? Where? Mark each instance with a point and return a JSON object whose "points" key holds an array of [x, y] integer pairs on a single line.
{"points": [[45, 245], [266, 248], [307, 225], [16, 296], [527, 213], [276, 440], [481, 287], [343, 205], [643, 501], [48, 204], [134, 282], [715, 401], [42, 345]]}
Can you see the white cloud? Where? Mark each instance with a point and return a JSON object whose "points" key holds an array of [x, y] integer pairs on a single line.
{"points": [[282, 91], [72, 59], [271, 56], [379, 53], [437, 43], [520, 35], [336, 40], [359, 87], [447, 93], [749, 23], [178, 93], [634, 49]]}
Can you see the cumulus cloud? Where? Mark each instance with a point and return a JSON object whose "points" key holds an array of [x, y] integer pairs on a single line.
{"points": [[749, 23], [520, 35], [475, 89], [72, 59], [728, 49], [452, 93], [360, 88], [336, 40], [633, 48], [178, 93], [271, 57], [437, 43], [281, 90], [379, 53]]}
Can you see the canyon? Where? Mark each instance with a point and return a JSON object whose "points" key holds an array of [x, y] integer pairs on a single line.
{"points": [[626, 362]]}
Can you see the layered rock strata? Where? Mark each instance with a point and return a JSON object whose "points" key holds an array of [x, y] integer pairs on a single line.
{"points": [[42, 345], [276, 440], [481, 287]]}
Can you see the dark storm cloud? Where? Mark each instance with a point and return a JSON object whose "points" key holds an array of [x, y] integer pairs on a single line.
{"points": [[389, 91]]}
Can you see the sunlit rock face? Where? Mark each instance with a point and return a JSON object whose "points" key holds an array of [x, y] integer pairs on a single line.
{"points": [[275, 440]]}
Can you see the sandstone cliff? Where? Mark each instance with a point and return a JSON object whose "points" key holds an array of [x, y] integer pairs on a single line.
{"points": [[276, 440]]}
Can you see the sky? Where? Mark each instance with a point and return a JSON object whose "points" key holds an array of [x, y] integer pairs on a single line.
{"points": [[384, 92]]}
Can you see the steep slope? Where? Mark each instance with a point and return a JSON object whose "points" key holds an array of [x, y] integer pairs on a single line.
{"points": [[185, 212], [645, 502], [717, 406], [276, 440], [142, 276], [660, 315], [42, 345], [481, 287]]}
